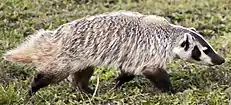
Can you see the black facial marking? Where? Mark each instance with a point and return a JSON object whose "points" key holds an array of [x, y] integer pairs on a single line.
{"points": [[215, 58], [206, 51], [196, 53], [209, 50], [186, 44], [200, 40], [183, 44]]}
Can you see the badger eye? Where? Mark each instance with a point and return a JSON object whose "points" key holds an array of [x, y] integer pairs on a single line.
{"points": [[183, 44], [206, 51]]}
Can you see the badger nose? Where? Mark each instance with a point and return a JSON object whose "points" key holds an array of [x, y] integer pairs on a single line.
{"points": [[218, 61], [221, 61]]}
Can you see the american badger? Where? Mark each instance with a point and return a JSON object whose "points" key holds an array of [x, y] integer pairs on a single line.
{"points": [[134, 43]]}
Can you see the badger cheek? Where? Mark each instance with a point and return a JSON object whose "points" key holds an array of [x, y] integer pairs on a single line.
{"points": [[176, 51], [180, 53], [206, 60]]}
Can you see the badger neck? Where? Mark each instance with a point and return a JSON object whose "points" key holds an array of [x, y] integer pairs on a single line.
{"points": [[177, 34], [162, 42]]}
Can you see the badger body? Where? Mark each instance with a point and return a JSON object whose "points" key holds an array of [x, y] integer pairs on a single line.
{"points": [[128, 42], [136, 44]]}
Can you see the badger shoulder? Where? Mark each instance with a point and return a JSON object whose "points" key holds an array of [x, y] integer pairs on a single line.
{"points": [[121, 13], [156, 20]]}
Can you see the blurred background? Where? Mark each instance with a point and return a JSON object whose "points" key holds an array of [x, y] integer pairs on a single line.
{"points": [[196, 84]]}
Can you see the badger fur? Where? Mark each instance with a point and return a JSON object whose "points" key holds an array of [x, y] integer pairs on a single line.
{"points": [[136, 44]]}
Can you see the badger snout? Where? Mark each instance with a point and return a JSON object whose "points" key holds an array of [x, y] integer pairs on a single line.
{"points": [[218, 60]]}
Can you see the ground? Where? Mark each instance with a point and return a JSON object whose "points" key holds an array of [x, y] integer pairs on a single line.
{"points": [[196, 84]]}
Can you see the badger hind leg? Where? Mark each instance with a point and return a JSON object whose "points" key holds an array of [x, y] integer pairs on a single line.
{"points": [[159, 78], [122, 78], [43, 79], [81, 79]]}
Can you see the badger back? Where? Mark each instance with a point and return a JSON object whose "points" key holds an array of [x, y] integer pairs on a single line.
{"points": [[122, 40]]}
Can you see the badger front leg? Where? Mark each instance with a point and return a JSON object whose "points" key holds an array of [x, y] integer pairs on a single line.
{"points": [[159, 78], [43, 79], [123, 78], [81, 79]]}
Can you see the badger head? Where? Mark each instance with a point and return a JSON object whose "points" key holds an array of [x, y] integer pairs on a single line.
{"points": [[193, 47]]}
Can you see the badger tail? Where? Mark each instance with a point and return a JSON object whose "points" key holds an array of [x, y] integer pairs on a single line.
{"points": [[27, 51]]}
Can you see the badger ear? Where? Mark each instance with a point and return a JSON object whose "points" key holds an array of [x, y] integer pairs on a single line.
{"points": [[186, 41], [193, 29], [188, 37]]}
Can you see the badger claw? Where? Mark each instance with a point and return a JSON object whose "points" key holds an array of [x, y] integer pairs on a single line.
{"points": [[86, 90], [118, 86]]}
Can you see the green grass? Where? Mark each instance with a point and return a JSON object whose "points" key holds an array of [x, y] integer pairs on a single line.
{"points": [[198, 84]]}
